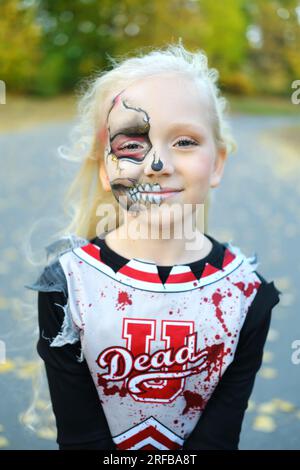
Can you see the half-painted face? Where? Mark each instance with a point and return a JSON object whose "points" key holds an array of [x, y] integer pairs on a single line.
{"points": [[159, 144]]}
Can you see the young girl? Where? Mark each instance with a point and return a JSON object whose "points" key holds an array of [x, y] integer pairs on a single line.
{"points": [[151, 342]]}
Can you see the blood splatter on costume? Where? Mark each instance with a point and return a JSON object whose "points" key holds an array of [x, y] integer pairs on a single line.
{"points": [[168, 354]]}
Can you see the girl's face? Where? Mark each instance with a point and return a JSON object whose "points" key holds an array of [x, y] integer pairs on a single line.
{"points": [[158, 144]]}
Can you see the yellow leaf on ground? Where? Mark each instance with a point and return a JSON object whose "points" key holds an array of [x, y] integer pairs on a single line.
{"points": [[3, 442], [7, 366], [42, 405], [268, 373], [47, 433], [27, 370], [264, 424], [283, 405], [267, 356], [272, 335], [267, 408]]}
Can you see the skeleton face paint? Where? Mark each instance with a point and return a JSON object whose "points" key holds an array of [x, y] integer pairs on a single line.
{"points": [[130, 142]]}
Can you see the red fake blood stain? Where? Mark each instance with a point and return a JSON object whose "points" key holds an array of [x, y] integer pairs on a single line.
{"points": [[216, 299], [114, 390], [193, 401], [123, 300], [250, 288], [215, 355]]}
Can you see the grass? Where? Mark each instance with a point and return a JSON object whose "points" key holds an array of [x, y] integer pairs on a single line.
{"points": [[263, 105], [23, 112]]}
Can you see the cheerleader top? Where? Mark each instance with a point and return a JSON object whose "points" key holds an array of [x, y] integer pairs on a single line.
{"points": [[157, 340]]}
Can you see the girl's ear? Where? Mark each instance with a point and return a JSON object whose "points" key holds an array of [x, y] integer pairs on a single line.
{"points": [[104, 178], [216, 176]]}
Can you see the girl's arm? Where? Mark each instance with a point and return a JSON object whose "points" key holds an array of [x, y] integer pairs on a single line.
{"points": [[80, 420], [220, 424]]}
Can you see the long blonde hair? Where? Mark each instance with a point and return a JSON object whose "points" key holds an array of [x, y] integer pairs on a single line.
{"points": [[85, 193]]}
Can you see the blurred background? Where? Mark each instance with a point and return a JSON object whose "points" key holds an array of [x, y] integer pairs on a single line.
{"points": [[46, 49]]}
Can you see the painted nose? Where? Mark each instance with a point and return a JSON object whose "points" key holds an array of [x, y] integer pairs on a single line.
{"points": [[158, 165]]}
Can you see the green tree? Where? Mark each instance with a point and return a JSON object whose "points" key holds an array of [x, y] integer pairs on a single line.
{"points": [[19, 44], [275, 58]]}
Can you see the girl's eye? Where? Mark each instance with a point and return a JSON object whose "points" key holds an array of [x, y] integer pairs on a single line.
{"points": [[130, 146], [186, 142]]}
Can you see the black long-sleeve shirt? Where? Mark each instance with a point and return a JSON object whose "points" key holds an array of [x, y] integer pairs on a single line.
{"points": [[81, 423]]}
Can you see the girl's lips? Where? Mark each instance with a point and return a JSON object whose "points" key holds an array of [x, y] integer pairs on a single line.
{"points": [[168, 194], [165, 191], [164, 194]]}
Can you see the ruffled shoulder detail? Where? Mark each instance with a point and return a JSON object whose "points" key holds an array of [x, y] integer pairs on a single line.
{"points": [[252, 261], [52, 277], [270, 290]]}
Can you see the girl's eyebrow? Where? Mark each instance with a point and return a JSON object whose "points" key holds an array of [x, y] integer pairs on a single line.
{"points": [[131, 130], [189, 125]]}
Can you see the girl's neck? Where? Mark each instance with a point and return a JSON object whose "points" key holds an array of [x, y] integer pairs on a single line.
{"points": [[162, 252]]}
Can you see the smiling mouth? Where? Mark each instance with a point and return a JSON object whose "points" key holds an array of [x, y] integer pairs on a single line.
{"points": [[155, 196], [163, 191]]}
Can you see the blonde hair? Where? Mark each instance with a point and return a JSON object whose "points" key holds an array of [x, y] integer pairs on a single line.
{"points": [[85, 193]]}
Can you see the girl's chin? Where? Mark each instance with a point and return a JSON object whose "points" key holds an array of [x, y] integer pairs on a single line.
{"points": [[158, 215], [142, 208]]}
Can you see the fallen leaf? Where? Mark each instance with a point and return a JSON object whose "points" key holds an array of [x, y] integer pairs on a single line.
{"points": [[3, 442], [264, 424], [268, 373]]}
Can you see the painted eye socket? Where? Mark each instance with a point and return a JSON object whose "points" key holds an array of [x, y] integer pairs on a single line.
{"points": [[130, 146], [134, 149]]}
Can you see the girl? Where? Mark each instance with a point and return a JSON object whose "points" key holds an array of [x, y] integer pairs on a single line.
{"points": [[150, 339]]}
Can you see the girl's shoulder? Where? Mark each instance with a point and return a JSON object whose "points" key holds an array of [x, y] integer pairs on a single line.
{"points": [[267, 294], [52, 277]]}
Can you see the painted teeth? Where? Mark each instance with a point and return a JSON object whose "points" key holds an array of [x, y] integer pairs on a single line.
{"points": [[137, 193], [145, 187], [145, 197]]}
